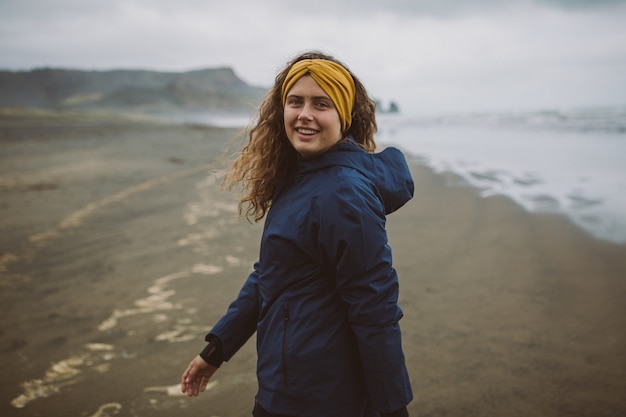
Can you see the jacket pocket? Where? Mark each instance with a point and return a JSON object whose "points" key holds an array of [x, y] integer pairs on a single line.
{"points": [[285, 342]]}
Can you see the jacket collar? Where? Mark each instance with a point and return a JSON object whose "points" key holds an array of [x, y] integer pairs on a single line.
{"points": [[388, 170]]}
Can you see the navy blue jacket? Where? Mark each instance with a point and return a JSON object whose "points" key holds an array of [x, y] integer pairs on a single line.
{"points": [[323, 295]]}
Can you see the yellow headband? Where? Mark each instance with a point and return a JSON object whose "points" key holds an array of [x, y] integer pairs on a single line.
{"points": [[334, 79]]}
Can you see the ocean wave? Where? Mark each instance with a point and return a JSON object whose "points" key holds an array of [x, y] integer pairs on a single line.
{"points": [[592, 119], [563, 162]]}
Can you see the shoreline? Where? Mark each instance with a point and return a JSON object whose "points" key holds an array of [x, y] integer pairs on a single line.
{"points": [[544, 167], [455, 180], [506, 312]]}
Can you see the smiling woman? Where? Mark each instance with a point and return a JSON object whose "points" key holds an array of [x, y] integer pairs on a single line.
{"points": [[323, 295], [269, 157], [311, 120]]}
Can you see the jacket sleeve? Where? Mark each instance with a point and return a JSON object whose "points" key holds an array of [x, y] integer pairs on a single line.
{"points": [[240, 321], [354, 240]]}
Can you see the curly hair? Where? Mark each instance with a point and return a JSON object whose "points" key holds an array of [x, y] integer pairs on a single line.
{"points": [[269, 158]]}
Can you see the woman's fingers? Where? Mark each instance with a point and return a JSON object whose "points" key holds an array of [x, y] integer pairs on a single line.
{"points": [[196, 377], [205, 381], [188, 378]]}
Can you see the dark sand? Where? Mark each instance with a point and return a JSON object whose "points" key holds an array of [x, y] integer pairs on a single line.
{"points": [[118, 252]]}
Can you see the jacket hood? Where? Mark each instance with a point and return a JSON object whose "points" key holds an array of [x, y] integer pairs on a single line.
{"points": [[388, 170]]}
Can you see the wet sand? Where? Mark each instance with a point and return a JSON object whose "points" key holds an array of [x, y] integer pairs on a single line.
{"points": [[118, 252]]}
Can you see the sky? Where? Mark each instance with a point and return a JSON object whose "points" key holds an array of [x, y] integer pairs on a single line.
{"points": [[435, 56]]}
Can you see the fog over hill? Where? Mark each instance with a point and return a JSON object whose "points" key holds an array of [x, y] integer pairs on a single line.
{"points": [[151, 92]]}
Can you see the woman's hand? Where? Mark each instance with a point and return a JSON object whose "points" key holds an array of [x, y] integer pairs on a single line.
{"points": [[196, 376]]}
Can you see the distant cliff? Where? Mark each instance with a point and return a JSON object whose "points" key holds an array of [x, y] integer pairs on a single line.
{"points": [[153, 92]]}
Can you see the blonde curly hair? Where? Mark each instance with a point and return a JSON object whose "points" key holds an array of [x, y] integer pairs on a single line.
{"points": [[269, 158]]}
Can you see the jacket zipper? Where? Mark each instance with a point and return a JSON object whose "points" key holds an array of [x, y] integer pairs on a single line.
{"points": [[285, 331]]}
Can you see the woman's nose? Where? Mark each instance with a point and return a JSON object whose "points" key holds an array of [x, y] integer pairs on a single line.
{"points": [[305, 113]]}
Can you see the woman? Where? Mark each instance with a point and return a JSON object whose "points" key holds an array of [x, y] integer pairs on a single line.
{"points": [[323, 295]]}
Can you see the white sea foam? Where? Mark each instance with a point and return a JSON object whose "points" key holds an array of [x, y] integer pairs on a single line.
{"points": [[174, 390], [570, 162], [108, 410], [64, 373]]}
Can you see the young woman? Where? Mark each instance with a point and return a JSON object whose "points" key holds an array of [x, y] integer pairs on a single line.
{"points": [[322, 297]]}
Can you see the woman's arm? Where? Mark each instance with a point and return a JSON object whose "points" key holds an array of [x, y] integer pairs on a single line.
{"points": [[225, 339], [240, 321]]}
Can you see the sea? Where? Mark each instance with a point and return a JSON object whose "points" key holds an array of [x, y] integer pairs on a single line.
{"points": [[567, 161]]}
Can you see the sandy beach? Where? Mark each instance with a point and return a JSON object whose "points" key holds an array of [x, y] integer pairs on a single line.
{"points": [[118, 252]]}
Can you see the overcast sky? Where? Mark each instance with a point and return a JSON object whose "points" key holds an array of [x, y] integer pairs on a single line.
{"points": [[429, 56]]}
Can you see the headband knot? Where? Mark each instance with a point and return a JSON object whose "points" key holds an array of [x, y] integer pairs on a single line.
{"points": [[333, 78]]}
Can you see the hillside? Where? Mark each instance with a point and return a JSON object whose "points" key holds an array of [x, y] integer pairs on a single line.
{"points": [[152, 92]]}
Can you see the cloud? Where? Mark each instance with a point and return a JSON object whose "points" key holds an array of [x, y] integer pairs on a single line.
{"points": [[52, 9], [427, 55], [453, 8]]}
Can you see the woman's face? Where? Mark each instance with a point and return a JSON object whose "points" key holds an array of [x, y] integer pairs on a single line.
{"points": [[311, 120]]}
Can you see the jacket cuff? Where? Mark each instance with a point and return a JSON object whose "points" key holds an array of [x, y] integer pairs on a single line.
{"points": [[403, 412], [212, 352]]}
